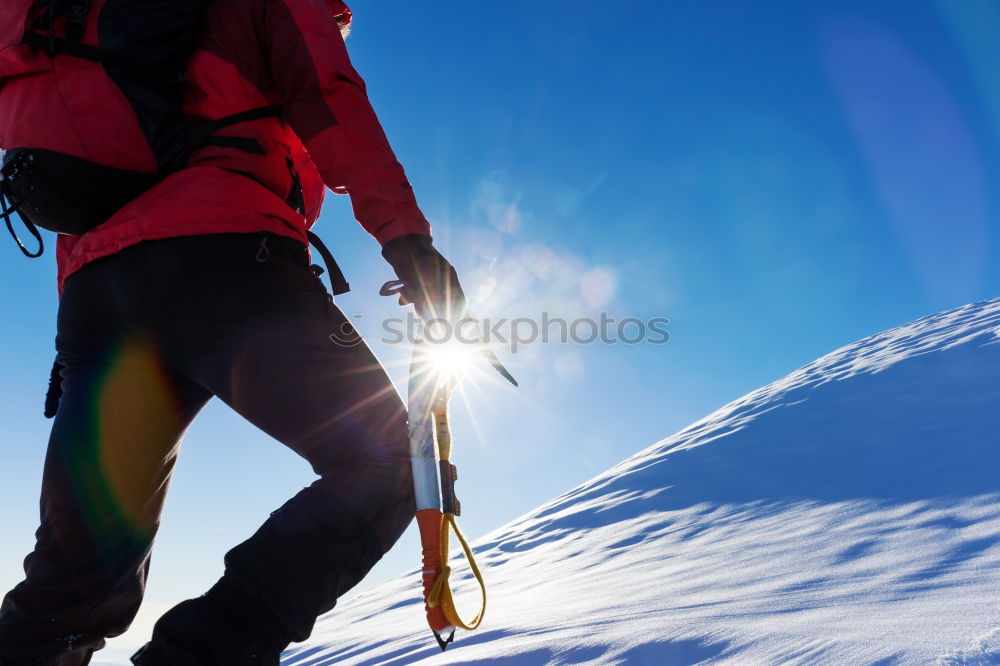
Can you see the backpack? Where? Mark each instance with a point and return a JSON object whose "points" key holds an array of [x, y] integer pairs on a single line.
{"points": [[90, 98]]}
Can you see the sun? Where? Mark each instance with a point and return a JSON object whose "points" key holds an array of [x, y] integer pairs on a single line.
{"points": [[463, 361], [449, 360]]}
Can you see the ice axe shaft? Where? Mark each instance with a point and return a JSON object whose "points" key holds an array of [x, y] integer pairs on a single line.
{"points": [[434, 486]]}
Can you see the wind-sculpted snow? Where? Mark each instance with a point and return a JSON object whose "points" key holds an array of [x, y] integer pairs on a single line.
{"points": [[848, 513]]}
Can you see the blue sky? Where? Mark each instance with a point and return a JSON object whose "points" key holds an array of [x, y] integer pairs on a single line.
{"points": [[777, 180]]}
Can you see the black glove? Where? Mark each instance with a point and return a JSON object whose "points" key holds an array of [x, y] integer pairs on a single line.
{"points": [[429, 281]]}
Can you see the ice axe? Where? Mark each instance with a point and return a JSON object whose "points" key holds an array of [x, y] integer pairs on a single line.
{"points": [[434, 478]]}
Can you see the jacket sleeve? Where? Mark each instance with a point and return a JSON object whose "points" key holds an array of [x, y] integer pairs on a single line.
{"points": [[327, 106]]}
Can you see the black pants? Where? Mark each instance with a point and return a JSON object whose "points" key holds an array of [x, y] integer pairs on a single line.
{"points": [[146, 337]]}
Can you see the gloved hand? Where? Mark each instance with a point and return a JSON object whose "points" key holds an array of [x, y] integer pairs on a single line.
{"points": [[429, 281]]}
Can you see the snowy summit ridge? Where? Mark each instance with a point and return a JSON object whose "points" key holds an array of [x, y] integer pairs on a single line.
{"points": [[848, 513]]}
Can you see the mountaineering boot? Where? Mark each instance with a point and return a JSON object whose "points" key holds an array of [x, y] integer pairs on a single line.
{"points": [[224, 627]]}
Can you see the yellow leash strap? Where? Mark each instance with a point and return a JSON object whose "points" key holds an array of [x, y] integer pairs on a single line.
{"points": [[441, 593]]}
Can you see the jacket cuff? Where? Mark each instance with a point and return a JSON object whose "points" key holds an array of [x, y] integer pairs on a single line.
{"points": [[401, 251]]}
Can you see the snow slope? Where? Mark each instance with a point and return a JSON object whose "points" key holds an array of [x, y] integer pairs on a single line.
{"points": [[848, 513]]}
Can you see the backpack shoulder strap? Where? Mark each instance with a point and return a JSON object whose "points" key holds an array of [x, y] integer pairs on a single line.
{"points": [[58, 46], [42, 37], [76, 12]]}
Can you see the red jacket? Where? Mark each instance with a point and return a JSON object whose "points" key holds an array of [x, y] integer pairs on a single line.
{"points": [[252, 53]]}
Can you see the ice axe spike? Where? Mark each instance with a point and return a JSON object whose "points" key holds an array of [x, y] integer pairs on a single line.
{"points": [[443, 643]]}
